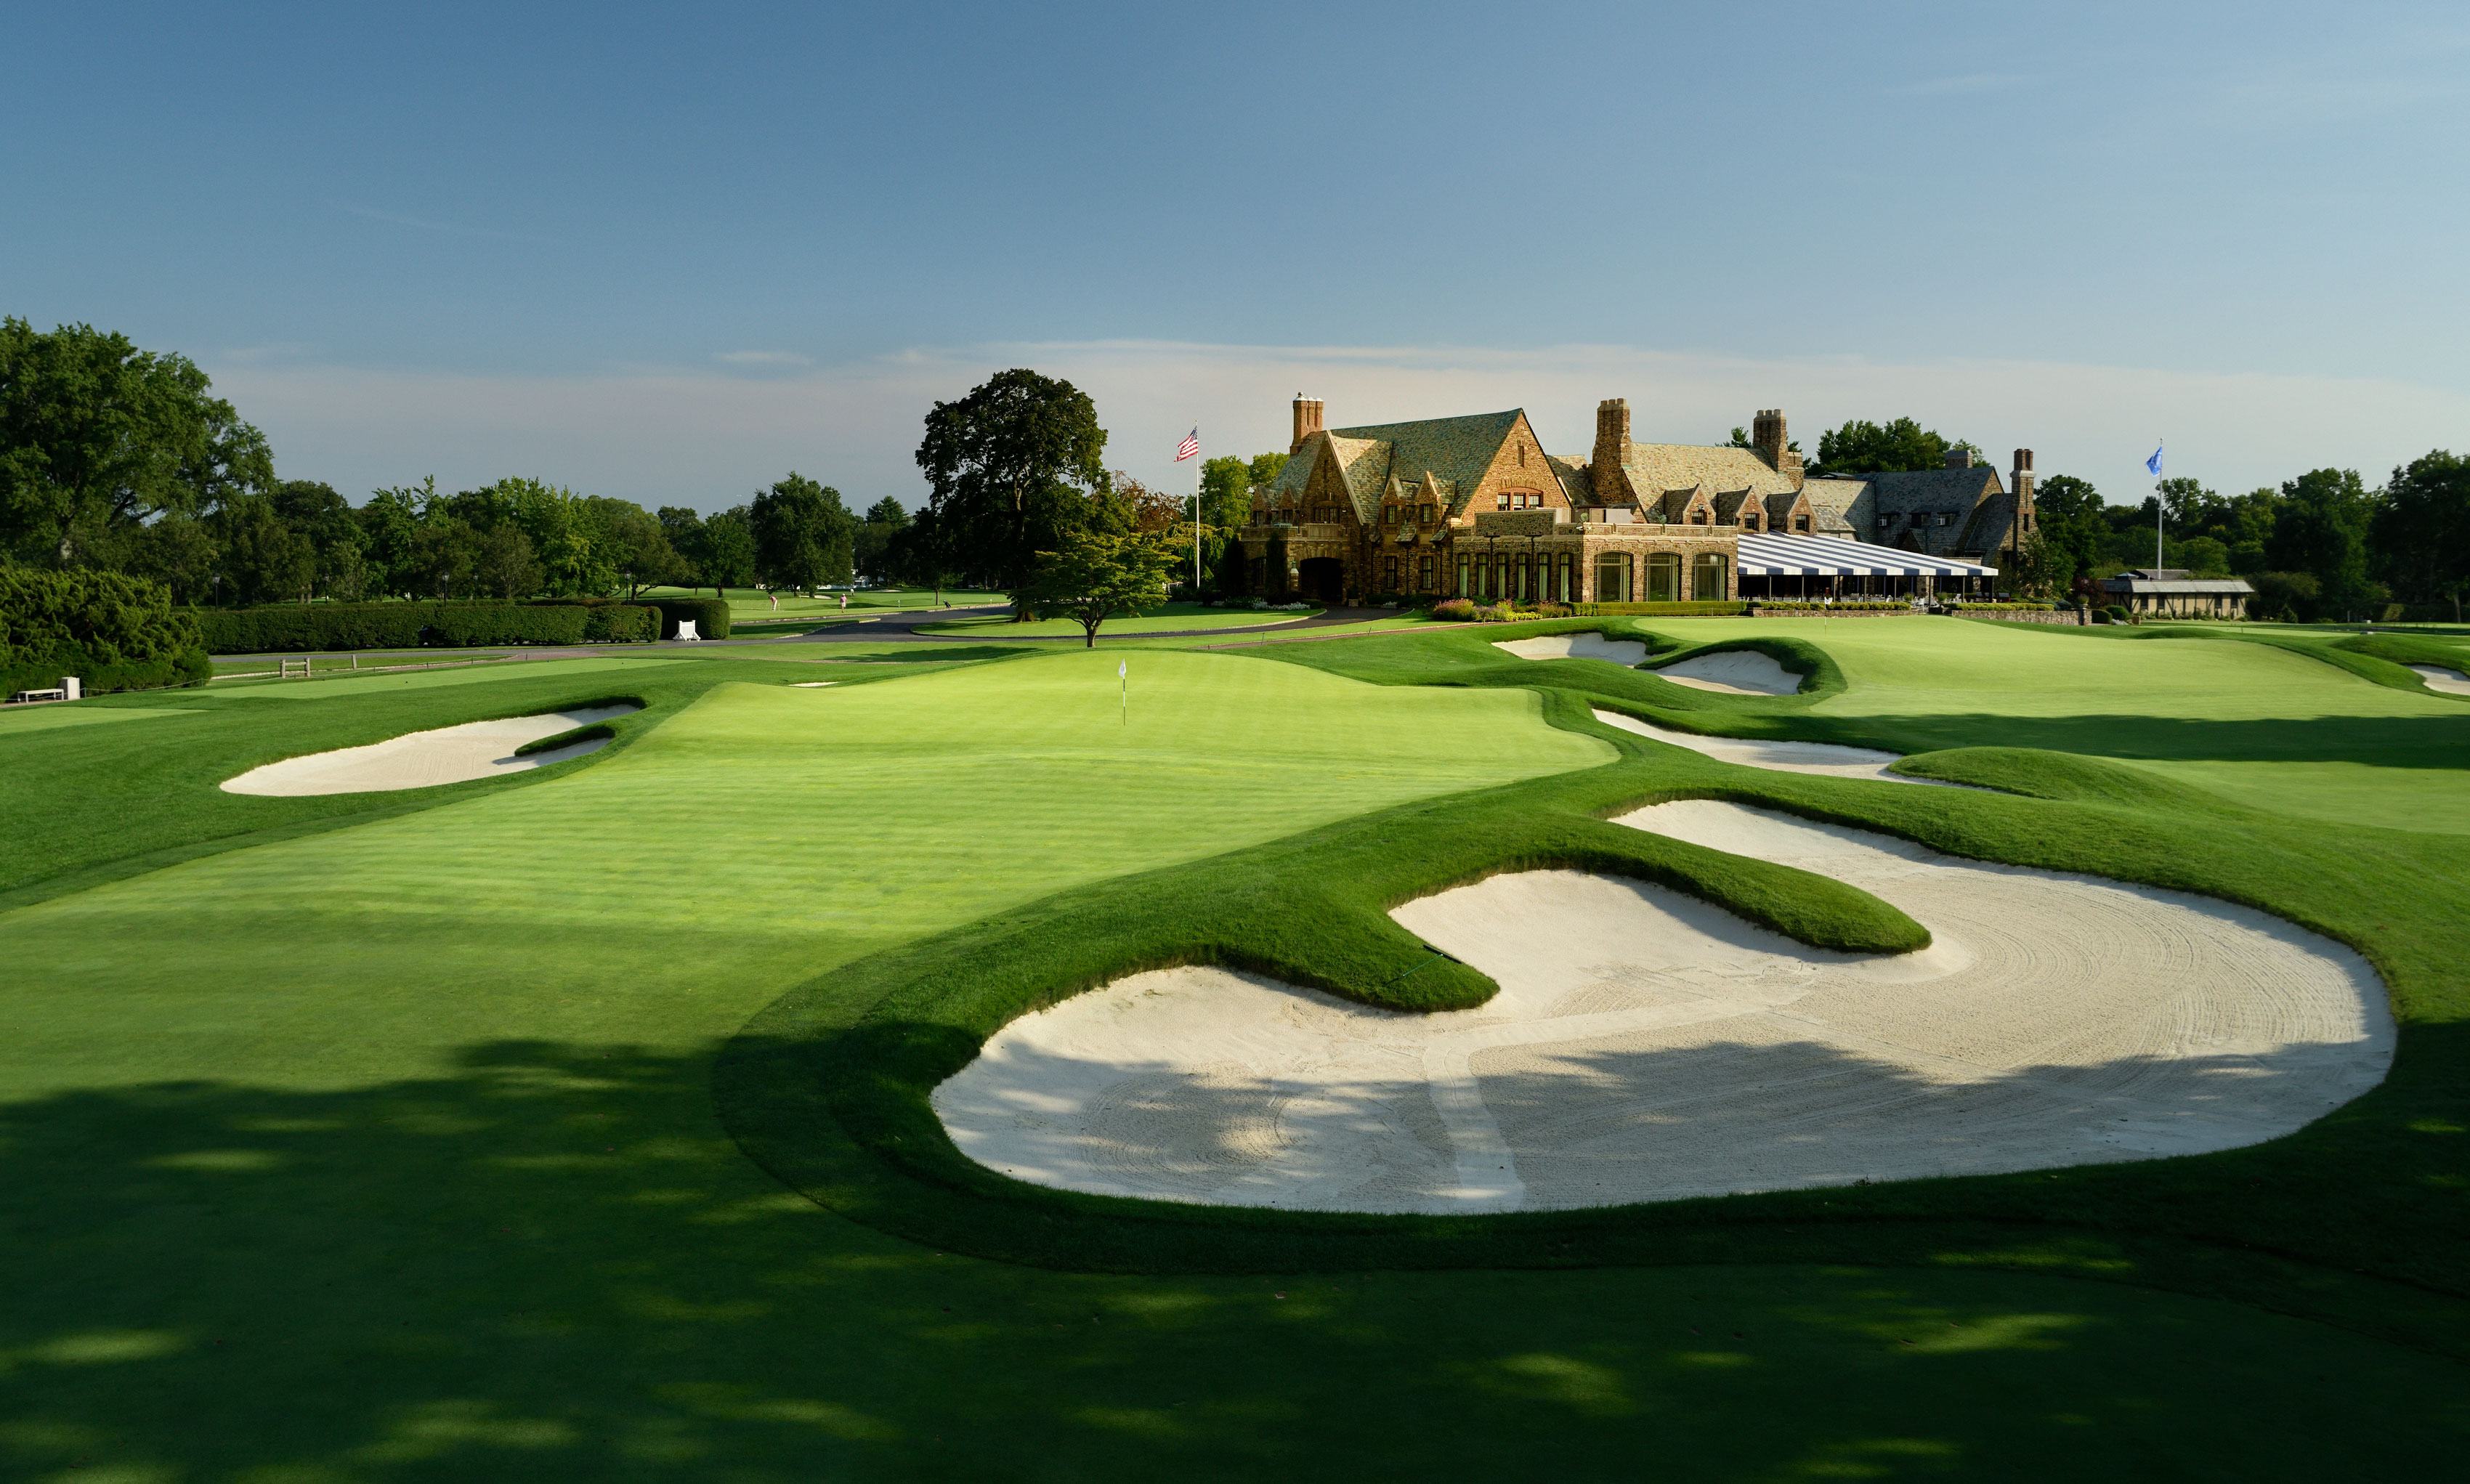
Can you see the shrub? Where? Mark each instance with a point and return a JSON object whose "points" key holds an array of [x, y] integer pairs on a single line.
{"points": [[1608, 609], [112, 633], [711, 616], [2116, 613], [1457, 610]]}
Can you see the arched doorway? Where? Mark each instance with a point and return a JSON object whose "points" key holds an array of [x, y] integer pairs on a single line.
{"points": [[1322, 579]]}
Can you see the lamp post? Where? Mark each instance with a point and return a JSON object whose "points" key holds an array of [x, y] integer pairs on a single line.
{"points": [[1533, 574]]}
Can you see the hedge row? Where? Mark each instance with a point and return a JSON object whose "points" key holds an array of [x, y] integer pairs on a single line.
{"points": [[1668, 609], [329, 626], [709, 614], [112, 633]]}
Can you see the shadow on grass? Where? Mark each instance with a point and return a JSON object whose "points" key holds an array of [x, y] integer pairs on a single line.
{"points": [[544, 1262]]}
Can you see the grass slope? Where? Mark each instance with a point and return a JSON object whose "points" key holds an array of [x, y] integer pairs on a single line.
{"points": [[1171, 617], [388, 1150]]}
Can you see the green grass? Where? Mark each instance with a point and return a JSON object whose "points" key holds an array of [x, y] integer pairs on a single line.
{"points": [[382, 1143], [752, 605], [1171, 617]]}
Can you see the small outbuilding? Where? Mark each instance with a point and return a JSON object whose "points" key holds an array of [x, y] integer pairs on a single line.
{"points": [[2168, 592]]}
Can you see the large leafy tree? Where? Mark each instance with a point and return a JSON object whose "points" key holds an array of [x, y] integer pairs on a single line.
{"points": [[2321, 530], [263, 559], [804, 537], [886, 518], [726, 555], [324, 519], [1012, 467], [2421, 531], [98, 437], [1095, 574], [1897, 447], [390, 536], [633, 541]]}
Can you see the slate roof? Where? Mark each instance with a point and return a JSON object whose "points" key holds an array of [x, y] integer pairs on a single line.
{"points": [[1897, 499], [1575, 486], [2137, 582], [1842, 506], [1675, 466]]}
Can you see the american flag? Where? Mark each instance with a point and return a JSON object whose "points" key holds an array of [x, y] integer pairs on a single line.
{"points": [[1190, 446]]}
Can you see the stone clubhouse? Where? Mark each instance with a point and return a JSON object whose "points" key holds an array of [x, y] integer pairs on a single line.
{"points": [[1475, 507]]}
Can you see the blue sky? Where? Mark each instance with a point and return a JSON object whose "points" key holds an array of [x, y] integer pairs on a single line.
{"points": [[669, 252]]}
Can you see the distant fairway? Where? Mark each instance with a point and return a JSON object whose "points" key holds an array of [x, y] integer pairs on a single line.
{"points": [[754, 605], [2264, 725], [1171, 617]]}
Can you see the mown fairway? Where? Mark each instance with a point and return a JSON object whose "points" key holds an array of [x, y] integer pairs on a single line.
{"points": [[379, 1140]]}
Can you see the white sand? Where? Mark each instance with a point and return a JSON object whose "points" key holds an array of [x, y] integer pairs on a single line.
{"points": [[812, 684], [424, 759], [2453, 683], [1646, 1045], [1576, 646], [1736, 672], [1830, 758]]}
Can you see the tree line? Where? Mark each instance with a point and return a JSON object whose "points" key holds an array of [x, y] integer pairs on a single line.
{"points": [[2320, 544], [119, 459]]}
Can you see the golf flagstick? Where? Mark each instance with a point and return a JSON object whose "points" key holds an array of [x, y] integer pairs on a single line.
{"points": [[1123, 680]]}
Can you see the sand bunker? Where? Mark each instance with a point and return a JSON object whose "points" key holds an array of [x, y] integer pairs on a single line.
{"points": [[1576, 646], [424, 759], [1646, 1045], [1822, 757], [2453, 683], [1736, 672]]}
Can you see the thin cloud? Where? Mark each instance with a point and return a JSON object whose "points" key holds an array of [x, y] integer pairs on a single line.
{"points": [[431, 225], [763, 357], [1963, 85]]}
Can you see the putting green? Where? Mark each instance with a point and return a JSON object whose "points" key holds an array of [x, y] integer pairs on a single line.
{"points": [[51, 718], [754, 840]]}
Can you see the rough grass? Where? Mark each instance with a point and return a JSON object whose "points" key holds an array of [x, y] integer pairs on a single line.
{"points": [[388, 1148]]}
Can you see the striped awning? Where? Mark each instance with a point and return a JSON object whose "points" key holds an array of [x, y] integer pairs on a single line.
{"points": [[1834, 556]]}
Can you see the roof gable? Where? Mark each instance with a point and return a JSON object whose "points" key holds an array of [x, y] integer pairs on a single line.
{"points": [[1456, 451]]}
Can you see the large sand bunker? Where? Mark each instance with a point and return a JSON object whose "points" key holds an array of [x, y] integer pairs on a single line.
{"points": [[2453, 683], [1646, 1045], [424, 759], [1828, 758], [1575, 647], [1736, 672]]}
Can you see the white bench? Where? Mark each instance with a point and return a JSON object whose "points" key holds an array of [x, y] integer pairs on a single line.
{"points": [[68, 689], [687, 632]]}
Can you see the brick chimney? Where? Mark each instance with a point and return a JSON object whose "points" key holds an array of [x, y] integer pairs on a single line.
{"points": [[1959, 458], [1307, 411], [1612, 446], [1767, 436]]}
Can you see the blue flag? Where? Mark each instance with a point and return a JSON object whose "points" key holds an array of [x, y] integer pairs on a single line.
{"points": [[2154, 463]]}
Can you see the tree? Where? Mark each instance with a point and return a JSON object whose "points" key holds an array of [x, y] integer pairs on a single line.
{"points": [[1266, 469], [1096, 574], [885, 519], [390, 535], [1012, 467], [502, 562], [632, 540], [728, 553], [2420, 533], [1903, 446], [264, 560], [97, 438], [683, 530], [2321, 530], [324, 519], [181, 552], [804, 537], [445, 557], [1225, 503]]}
